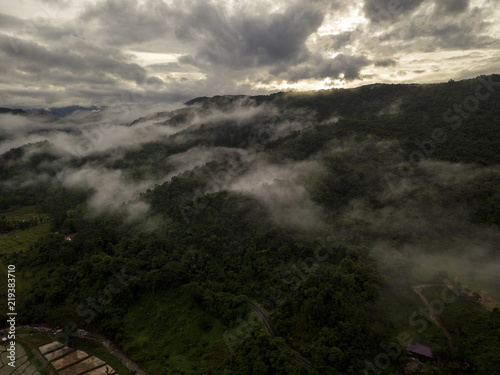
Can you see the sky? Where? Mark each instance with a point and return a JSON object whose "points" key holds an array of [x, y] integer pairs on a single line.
{"points": [[56, 53]]}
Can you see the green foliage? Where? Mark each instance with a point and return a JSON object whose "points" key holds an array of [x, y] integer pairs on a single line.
{"points": [[475, 331], [166, 331], [202, 252]]}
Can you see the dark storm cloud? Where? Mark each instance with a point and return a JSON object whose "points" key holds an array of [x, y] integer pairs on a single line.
{"points": [[389, 10], [57, 33], [329, 5], [458, 36], [8, 22], [251, 41], [318, 67], [77, 57], [450, 7], [28, 97], [169, 67], [125, 22], [214, 39], [277, 44], [39, 27], [335, 42], [424, 34], [224, 47], [385, 63]]}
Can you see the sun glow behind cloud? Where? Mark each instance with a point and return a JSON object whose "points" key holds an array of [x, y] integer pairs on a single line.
{"points": [[148, 58], [334, 24], [92, 51]]}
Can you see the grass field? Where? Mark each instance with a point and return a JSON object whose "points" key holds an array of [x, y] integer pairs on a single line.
{"points": [[24, 213], [35, 362], [16, 241], [35, 337], [26, 362], [22, 239], [184, 338]]}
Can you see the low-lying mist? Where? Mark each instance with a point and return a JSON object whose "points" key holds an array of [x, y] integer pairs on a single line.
{"points": [[427, 221]]}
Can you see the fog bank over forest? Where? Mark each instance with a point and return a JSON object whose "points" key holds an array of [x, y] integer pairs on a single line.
{"points": [[422, 216], [219, 198]]}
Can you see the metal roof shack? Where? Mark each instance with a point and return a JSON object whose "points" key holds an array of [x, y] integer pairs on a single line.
{"points": [[420, 350]]}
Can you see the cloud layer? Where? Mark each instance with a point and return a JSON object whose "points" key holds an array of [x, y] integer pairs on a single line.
{"points": [[111, 52]]}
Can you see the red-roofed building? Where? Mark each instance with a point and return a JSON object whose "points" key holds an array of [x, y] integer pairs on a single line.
{"points": [[69, 238]]}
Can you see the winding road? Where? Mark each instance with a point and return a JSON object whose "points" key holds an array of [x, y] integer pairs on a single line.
{"points": [[270, 330], [263, 317]]}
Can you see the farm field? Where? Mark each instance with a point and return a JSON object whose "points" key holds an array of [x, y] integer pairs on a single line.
{"points": [[18, 240], [65, 357], [21, 239], [25, 364], [23, 213]]}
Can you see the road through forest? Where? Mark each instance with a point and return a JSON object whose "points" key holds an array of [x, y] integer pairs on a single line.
{"points": [[270, 330], [418, 289]]}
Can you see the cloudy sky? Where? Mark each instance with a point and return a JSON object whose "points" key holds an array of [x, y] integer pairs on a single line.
{"points": [[64, 52]]}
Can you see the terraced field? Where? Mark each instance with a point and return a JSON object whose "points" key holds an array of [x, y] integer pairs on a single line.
{"points": [[23, 366], [18, 240], [24, 213], [22, 239], [68, 361], [53, 358]]}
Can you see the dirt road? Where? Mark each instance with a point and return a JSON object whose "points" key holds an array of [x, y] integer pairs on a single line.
{"points": [[418, 289]]}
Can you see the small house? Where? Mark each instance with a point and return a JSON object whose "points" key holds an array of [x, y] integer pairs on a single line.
{"points": [[420, 351]]}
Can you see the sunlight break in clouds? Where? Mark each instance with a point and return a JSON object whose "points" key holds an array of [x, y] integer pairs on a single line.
{"points": [[108, 51]]}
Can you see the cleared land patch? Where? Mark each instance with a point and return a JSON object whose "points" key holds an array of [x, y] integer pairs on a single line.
{"points": [[69, 359], [50, 347], [83, 366], [58, 353], [101, 371]]}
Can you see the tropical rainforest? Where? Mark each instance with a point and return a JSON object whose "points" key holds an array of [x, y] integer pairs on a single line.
{"points": [[328, 210]]}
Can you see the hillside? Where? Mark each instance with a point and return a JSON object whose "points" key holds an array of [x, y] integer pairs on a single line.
{"points": [[323, 208]]}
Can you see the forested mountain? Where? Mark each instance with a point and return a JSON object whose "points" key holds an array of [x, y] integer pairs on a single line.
{"points": [[325, 209]]}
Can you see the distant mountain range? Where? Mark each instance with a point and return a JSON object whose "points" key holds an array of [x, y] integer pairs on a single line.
{"points": [[57, 112], [13, 111]]}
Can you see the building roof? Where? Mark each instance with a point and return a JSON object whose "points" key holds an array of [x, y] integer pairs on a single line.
{"points": [[420, 349]]}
